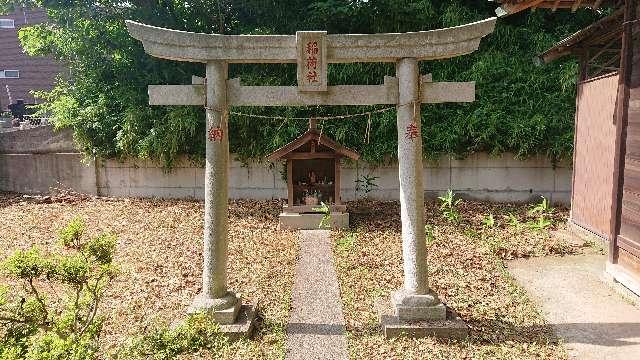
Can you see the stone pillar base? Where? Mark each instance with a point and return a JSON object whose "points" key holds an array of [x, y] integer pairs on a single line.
{"points": [[449, 327], [222, 310], [414, 307], [243, 327]]}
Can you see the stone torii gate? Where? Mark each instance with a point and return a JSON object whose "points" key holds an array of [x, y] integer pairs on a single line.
{"points": [[312, 51]]}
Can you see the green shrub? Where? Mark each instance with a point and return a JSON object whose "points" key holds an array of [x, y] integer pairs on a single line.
{"points": [[196, 333], [64, 323], [70, 235]]}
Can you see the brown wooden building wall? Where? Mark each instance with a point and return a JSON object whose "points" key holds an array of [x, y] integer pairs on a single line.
{"points": [[593, 161], [627, 246], [36, 73], [624, 214]]}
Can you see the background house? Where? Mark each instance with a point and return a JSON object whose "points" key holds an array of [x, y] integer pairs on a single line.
{"points": [[20, 73]]}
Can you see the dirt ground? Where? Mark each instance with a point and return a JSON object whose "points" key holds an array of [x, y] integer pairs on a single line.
{"points": [[467, 271], [159, 255]]}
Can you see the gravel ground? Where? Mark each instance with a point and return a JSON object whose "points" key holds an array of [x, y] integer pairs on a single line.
{"points": [[316, 325], [159, 253]]}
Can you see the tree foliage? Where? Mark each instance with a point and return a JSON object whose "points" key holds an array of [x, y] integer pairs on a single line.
{"points": [[520, 107]]}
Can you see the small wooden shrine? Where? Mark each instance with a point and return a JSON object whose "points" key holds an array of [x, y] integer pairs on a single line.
{"points": [[313, 178]]}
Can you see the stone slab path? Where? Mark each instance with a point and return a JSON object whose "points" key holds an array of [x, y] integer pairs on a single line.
{"points": [[316, 325], [594, 320]]}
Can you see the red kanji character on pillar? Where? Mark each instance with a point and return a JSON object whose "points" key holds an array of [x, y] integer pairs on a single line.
{"points": [[215, 133], [412, 131]]}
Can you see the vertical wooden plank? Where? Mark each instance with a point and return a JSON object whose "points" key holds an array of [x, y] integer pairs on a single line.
{"points": [[581, 75], [290, 182], [622, 112], [336, 181], [629, 227]]}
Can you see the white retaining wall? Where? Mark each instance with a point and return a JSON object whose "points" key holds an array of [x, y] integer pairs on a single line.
{"points": [[34, 160], [481, 177]]}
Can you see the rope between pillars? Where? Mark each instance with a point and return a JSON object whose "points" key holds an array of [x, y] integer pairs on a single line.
{"points": [[415, 104]]}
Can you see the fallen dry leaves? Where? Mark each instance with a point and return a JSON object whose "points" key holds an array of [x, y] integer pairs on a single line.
{"points": [[466, 270], [159, 253]]}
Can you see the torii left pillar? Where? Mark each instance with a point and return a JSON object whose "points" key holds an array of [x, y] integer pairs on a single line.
{"points": [[215, 299]]}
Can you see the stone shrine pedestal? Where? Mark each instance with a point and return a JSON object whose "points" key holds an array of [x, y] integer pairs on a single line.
{"points": [[295, 221]]}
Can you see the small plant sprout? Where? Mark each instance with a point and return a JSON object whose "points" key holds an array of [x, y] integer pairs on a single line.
{"points": [[448, 206], [489, 221], [540, 224], [325, 222], [542, 208], [346, 241], [428, 231], [513, 221]]}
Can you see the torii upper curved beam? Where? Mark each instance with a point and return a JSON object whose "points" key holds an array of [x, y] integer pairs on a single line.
{"points": [[424, 45]]}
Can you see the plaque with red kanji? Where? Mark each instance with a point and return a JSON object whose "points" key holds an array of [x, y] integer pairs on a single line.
{"points": [[312, 60]]}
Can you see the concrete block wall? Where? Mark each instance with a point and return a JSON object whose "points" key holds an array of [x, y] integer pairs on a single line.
{"points": [[38, 173], [34, 160], [36, 140], [142, 178], [480, 177]]}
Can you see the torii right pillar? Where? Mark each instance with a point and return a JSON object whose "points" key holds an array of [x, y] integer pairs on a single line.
{"points": [[416, 310]]}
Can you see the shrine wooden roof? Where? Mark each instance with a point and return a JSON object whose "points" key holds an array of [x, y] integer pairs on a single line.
{"points": [[513, 6], [598, 45], [313, 135], [601, 36]]}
